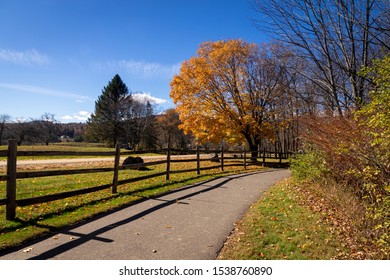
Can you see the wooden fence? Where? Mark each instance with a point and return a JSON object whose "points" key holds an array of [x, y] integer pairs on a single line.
{"points": [[12, 175]]}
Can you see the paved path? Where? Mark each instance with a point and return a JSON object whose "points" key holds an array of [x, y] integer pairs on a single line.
{"points": [[192, 222]]}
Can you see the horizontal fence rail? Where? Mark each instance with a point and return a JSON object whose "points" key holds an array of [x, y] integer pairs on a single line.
{"points": [[12, 175]]}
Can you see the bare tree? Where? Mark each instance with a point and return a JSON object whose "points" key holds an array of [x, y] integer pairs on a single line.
{"points": [[22, 131], [4, 119], [139, 124], [47, 128], [336, 37]]}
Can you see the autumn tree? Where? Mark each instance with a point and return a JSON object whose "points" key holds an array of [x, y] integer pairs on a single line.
{"points": [[170, 133], [231, 90]]}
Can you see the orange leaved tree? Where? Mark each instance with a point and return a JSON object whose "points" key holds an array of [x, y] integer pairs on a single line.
{"points": [[231, 90]]}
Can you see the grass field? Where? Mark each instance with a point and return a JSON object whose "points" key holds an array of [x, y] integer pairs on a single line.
{"points": [[61, 147], [65, 146]]}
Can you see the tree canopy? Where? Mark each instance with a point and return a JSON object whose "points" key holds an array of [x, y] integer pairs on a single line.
{"points": [[230, 90]]}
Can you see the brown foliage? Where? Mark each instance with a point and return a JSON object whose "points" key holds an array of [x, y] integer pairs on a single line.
{"points": [[347, 151], [354, 163]]}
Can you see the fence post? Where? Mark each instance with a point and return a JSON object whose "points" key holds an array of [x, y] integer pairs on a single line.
{"points": [[11, 180], [222, 167], [167, 177], [280, 157], [197, 161], [245, 158], [116, 168]]}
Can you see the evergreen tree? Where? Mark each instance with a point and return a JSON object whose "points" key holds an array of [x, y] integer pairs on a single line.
{"points": [[106, 125]]}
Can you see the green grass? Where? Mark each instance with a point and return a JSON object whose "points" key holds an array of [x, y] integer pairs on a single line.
{"points": [[64, 147], [279, 227], [35, 220]]}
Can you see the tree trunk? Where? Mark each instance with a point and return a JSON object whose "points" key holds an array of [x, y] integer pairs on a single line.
{"points": [[253, 144]]}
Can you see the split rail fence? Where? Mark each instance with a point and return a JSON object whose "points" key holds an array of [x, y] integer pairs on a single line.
{"points": [[11, 201]]}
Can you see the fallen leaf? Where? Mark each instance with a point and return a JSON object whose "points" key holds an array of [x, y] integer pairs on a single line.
{"points": [[27, 250]]}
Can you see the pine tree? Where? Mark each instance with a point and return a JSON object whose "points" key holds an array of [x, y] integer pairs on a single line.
{"points": [[106, 125]]}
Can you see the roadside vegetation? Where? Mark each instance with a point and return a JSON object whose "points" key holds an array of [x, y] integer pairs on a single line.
{"points": [[297, 220], [337, 205]]}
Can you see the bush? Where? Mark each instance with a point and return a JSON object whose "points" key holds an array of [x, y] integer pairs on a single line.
{"points": [[78, 139], [308, 165], [132, 160]]}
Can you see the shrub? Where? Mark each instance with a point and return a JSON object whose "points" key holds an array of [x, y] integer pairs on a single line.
{"points": [[309, 164], [132, 160]]}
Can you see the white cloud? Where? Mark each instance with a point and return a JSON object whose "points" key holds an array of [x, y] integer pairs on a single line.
{"points": [[148, 70], [81, 116], [46, 91], [146, 96], [83, 99], [67, 118], [29, 57]]}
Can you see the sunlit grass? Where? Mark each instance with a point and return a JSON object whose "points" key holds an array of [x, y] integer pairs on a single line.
{"points": [[279, 227], [62, 147]]}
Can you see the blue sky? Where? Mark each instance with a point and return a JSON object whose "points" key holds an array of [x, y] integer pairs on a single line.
{"points": [[57, 55]]}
